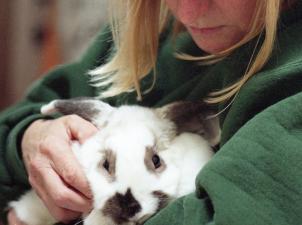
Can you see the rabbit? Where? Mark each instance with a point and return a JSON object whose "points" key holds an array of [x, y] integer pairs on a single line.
{"points": [[140, 159]]}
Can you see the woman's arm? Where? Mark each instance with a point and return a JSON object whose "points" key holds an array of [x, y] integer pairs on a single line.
{"points": [[255, 178]]}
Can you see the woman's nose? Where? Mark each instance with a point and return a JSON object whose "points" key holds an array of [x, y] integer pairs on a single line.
{"points": [[188, 11]]}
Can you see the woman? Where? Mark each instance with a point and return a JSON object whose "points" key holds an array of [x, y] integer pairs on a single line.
{"points": [[228, 56]]}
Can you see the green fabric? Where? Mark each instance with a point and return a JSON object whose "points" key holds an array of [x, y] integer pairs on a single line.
{"points": [[254, 178]]}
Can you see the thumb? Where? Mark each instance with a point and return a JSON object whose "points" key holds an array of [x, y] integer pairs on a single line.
{"points": [[79, 128]]}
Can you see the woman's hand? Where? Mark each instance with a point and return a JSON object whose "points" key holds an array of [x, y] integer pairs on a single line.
{"points": [[54, 172]]}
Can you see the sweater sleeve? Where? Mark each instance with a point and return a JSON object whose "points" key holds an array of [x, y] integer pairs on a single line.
{"points": [[255, 178], [65, 81]]}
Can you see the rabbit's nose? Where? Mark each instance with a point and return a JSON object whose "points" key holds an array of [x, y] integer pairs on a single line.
{"points": [[120, 208]]}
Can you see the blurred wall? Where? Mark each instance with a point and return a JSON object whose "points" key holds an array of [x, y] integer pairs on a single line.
{"points": [[24, 52], [38, 34], [78, 23], [4, 37]]}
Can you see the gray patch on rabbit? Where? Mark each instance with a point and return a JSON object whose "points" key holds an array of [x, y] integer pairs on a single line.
{"points": [[163, 199], [80, 106]]}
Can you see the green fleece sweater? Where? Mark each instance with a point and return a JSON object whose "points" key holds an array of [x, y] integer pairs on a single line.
{"points": [[256, 176]]}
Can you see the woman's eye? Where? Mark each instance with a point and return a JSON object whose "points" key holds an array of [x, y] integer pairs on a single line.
{"points": [[106, 165], [156, 161]]}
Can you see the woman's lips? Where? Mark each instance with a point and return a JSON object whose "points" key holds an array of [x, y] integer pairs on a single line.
{"points": [[206, 30]]}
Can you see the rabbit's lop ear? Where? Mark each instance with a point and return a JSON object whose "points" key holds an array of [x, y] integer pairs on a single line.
{"points": [[194, 117], [90, 109]]}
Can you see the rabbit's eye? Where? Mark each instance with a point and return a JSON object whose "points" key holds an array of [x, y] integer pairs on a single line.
{"points": [[153, 162], [156, 161], [106, 165]]}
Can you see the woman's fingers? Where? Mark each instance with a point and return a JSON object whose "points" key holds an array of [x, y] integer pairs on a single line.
{"points": [[79, 128], [65, 164], [45, 177], [59, 213], [63, 195]]}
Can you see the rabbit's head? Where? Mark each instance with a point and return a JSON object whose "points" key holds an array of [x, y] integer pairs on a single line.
{"points": [[141, 158]]}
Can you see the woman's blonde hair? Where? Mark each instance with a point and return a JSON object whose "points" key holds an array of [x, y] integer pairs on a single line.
{"points": [[136, 26]]}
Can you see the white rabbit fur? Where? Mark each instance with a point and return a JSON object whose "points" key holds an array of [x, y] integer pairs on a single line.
{"points": [[119, 163]]}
